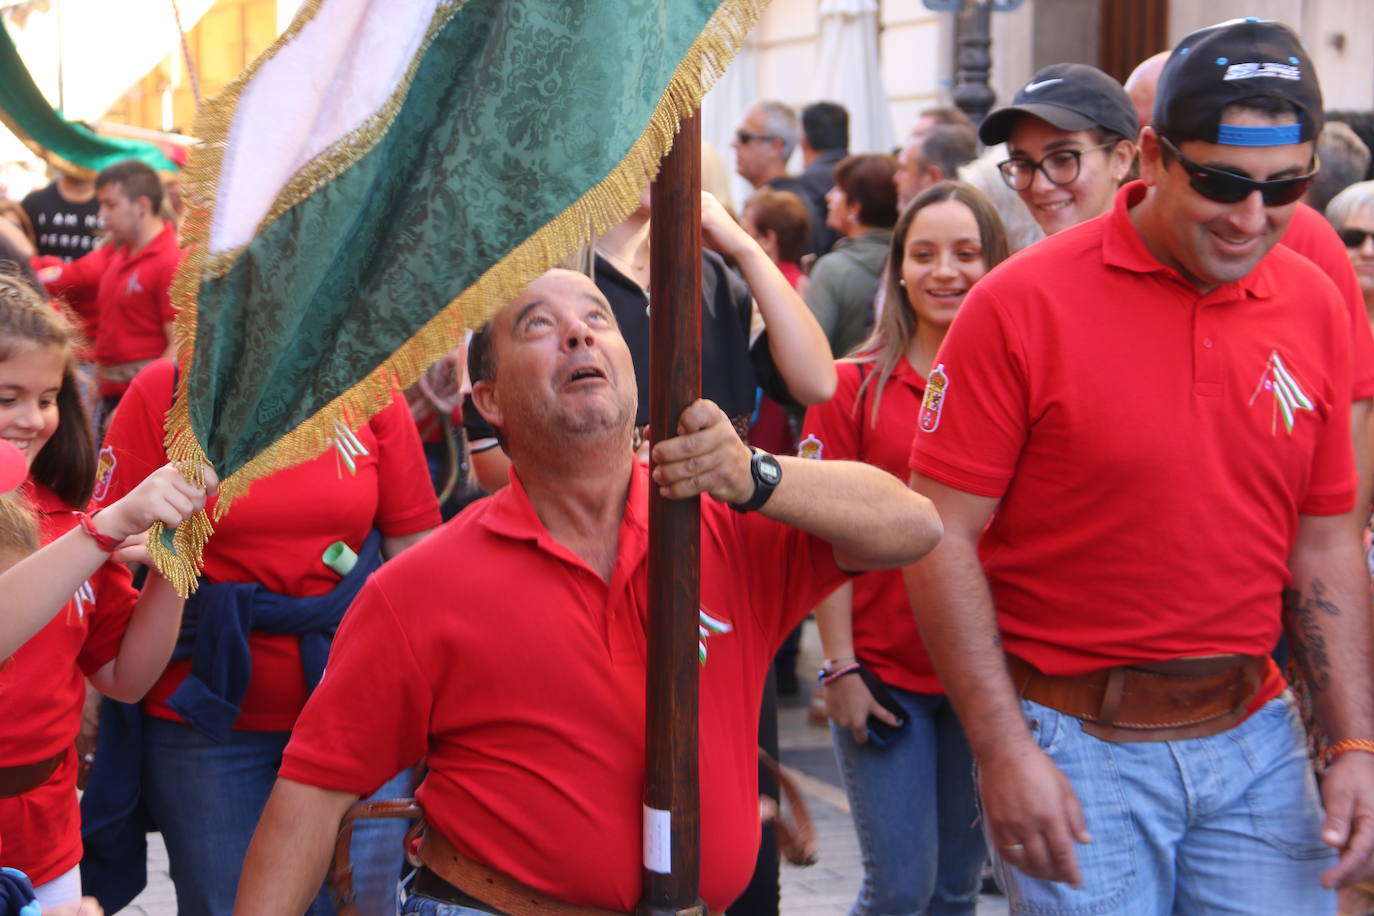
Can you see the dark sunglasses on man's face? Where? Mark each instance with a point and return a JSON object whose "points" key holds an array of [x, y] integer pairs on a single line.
{"points": [[1354, 238], [745, 138], [1229, 187]]}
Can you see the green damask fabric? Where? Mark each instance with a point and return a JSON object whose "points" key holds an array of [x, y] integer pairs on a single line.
{"points": [[517, 109], [64, 143]]}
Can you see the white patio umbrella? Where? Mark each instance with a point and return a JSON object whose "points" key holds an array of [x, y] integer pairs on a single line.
{"points": [[847, 72]]}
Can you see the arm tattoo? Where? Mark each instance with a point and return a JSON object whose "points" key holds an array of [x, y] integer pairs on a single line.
{"points": [[1304, 630]]}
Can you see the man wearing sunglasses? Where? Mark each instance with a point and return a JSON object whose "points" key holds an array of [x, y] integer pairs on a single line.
{"points": [[763, 143], [1141, 455]]}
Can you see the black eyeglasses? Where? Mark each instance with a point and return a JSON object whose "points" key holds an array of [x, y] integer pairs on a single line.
{"points": [[1060, 167], [1229, 187], [745, 138], [1354, 238]]}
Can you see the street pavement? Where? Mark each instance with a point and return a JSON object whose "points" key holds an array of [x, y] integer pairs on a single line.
{"points": [[827, 888]]}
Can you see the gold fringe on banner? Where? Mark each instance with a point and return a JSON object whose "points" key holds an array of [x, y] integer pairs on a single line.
{"points": [[605, 205]]}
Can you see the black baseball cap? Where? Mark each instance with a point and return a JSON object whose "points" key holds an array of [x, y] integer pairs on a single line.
{"points": [[1069, 96], [1225, 63]]}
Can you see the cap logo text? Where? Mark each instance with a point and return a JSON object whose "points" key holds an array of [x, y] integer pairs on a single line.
{"points": [[1257, 70]]}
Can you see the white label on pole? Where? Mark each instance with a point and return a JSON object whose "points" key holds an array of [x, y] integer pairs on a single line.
{"points": [[658, 840]]}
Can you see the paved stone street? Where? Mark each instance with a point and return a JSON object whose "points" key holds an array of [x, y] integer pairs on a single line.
{"points": [[824, 889]]}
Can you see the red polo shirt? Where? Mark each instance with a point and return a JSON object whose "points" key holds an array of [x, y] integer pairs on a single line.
{"points": [[520, 672], [42, 687], [1135, 433], [277, 532], [131, 292], [1310, 235], [885, 634]]}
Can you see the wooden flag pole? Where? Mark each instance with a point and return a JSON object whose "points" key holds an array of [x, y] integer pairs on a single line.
{"points": [[672, 817]]}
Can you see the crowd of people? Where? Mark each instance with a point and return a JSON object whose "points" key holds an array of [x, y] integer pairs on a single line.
{"points": [[1060, 424]]}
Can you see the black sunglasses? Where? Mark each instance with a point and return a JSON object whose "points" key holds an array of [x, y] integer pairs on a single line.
{"points": [[1354, 238], [745, 138], [1229, 188]]}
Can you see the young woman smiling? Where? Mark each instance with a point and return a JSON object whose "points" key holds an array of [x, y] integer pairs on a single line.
{"points": [[906, 765]]}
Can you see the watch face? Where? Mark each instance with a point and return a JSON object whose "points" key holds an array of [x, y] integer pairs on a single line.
{"points": [[769, 470]]}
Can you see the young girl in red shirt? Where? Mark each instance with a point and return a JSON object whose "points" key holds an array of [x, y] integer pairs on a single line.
{"points": [[71, 611]]}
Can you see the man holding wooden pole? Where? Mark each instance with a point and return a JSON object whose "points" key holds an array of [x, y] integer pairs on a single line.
{"points": [[510, 648]]}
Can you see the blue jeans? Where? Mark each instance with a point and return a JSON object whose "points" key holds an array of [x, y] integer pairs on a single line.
{"points": [[1230, 823], [915, 812], [415, 905], [206, 797]]}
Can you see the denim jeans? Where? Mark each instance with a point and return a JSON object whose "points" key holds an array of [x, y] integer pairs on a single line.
{"points": [[416, 905], [1230, 823], [207, 796], [915, 812]]}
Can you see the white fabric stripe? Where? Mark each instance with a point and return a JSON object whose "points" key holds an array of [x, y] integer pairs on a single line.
{"points": [[1289, 381], [340, 69]]}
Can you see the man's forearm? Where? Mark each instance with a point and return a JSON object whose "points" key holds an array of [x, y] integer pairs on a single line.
{"points": [[1326, 610], [949, 595], [290, 852], [872, 519]]}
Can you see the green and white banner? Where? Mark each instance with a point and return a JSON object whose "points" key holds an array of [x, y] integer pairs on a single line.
{"points": [[389, 173]]}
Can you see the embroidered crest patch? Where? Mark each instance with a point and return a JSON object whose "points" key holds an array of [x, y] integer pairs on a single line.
{"points": [[933, 404], [104, 472], [810, 447], [1289, 396]]}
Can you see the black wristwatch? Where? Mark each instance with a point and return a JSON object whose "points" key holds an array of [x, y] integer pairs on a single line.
{"points": [[766, 473]]}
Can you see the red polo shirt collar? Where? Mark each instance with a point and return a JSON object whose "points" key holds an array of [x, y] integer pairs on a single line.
{"points": [[159, 243], [513, 516], [1123, 247]]}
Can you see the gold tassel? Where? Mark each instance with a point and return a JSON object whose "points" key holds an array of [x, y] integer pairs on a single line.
{"points": [[605, 205]]}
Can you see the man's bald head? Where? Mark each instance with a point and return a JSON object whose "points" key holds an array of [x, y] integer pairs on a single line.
{"points": [[1141, 84]]}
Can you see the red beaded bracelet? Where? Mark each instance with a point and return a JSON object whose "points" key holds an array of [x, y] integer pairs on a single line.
{"points": [[103, 541], [1346, 745]]}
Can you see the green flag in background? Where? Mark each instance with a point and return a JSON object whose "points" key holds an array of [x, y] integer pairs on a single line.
{"points": [[390, 172], [64, 144]]}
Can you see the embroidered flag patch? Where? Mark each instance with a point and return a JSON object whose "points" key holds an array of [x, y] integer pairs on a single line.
{"points": [[706, 626], [933, 404], [1289, 397], [348, 446], [84, 599]]}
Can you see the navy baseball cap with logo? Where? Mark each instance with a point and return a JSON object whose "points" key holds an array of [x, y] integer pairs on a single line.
{"points": [[1070, 97], [1225, 63]]}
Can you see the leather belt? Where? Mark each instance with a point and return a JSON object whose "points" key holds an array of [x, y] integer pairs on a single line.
{"points": [[427, 884], [18, 780], [1152, 701], [123, 372], [496, 891]]}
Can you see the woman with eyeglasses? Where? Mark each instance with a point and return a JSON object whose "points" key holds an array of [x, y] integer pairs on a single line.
{"points": [[1352, 213], [1070, 135]]}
